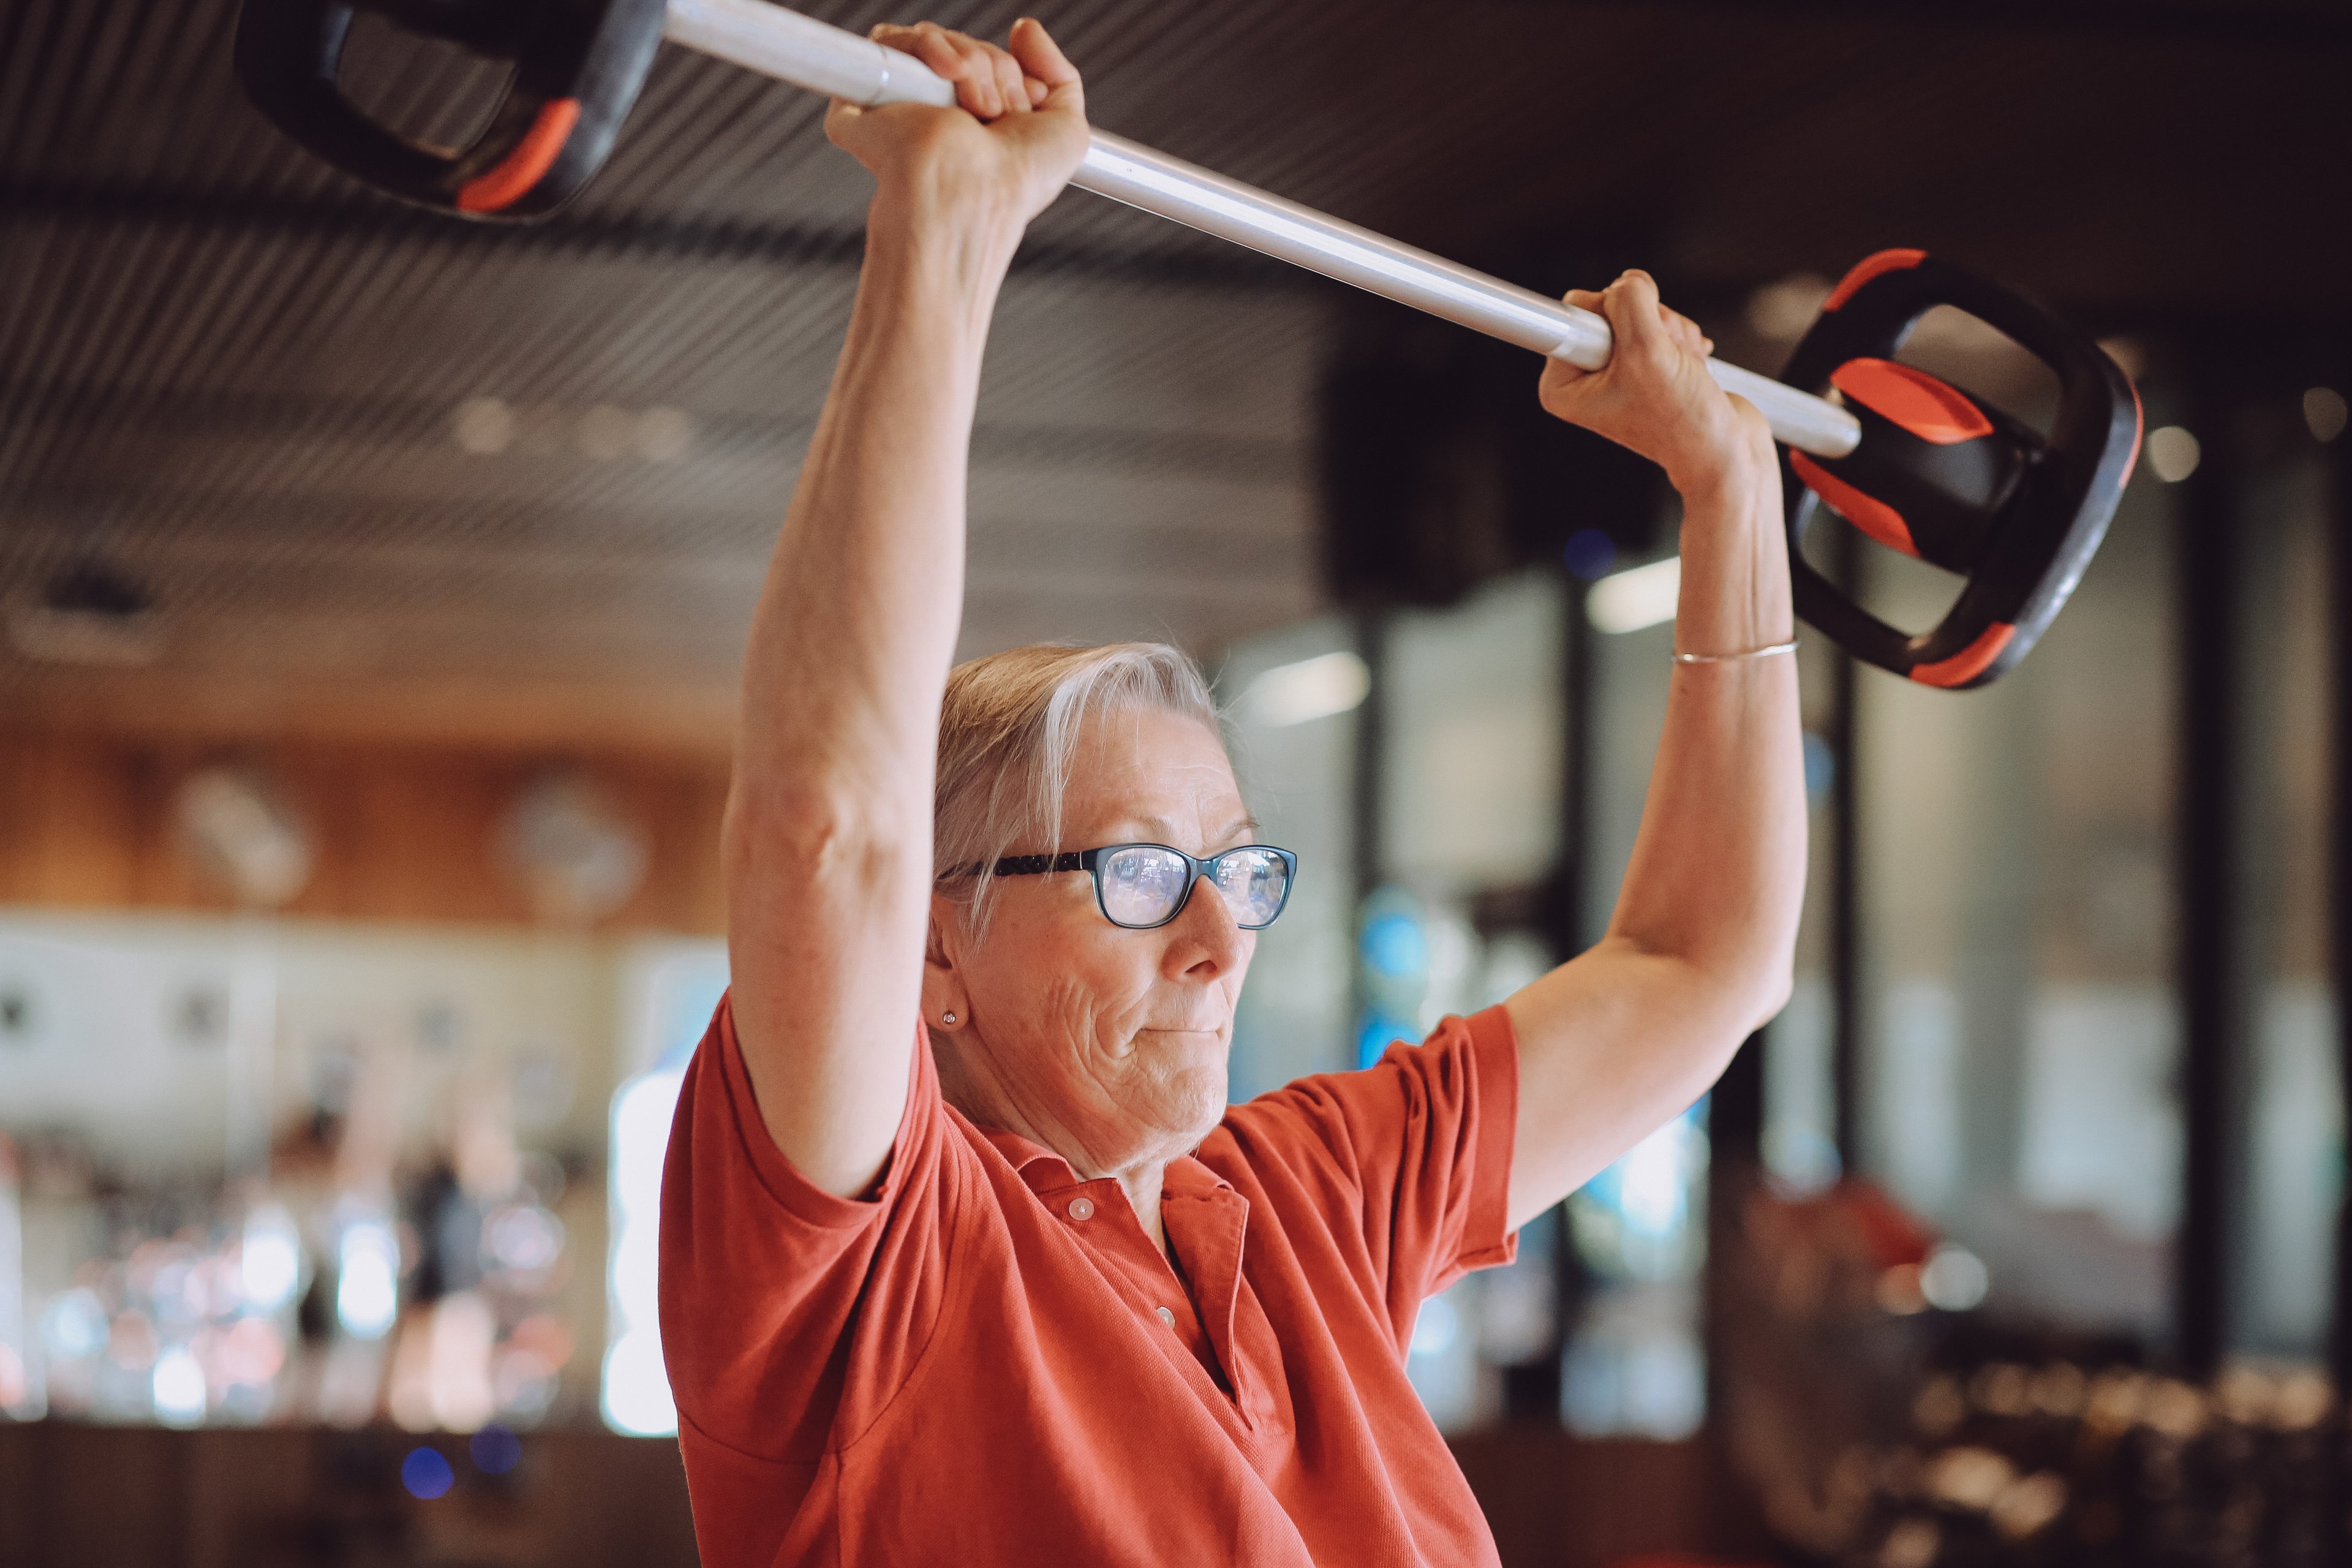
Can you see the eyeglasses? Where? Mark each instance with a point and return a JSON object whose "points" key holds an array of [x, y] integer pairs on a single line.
{"points": [[1140, 886]]}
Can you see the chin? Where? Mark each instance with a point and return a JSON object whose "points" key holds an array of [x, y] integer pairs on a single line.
{"points": [[1195, 1100], [1176, 1081]]}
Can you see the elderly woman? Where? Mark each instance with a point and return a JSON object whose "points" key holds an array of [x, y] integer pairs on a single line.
{"points": [[965, 1257]]}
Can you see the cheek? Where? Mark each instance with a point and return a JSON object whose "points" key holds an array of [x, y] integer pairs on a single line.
{"points": [[1064, 971], [1109, 976]]}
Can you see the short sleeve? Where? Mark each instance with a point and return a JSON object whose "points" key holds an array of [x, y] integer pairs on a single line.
{"points": [[1411, 1157], [776, 1296]]}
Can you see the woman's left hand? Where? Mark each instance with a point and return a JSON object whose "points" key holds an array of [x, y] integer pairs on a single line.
{"points": [[1656, 395]]}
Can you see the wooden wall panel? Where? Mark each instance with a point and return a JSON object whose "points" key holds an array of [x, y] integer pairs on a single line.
{"points": [[400, 832]]}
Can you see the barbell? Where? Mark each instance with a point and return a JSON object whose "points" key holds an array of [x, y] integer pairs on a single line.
{"points": [[1910, 459]]}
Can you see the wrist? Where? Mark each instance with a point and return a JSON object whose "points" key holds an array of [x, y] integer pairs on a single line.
{"points": [[927, 222], [934, 274], [1726, 480]]}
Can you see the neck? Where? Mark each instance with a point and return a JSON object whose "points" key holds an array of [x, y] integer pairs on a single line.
{"points": [[978, 1096], [1142, 1183]]}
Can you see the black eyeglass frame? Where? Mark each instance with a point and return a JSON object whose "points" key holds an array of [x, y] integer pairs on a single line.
{"points": [[1090, 861]]}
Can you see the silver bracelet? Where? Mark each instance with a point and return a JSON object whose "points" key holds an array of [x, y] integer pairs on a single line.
{"points": [[1789, 646]]}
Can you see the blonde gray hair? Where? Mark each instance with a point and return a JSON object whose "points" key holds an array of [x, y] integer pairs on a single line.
{"points": [[1007, 729]]}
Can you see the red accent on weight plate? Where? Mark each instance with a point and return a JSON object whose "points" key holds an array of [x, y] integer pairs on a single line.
{"points": [[1916, 401], [1873, 516], [2139, 430], [505, 182], [1868, 268], [1970, 662]]}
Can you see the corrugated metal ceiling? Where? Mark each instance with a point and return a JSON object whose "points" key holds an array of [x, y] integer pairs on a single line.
{"points": [[232, 376]]}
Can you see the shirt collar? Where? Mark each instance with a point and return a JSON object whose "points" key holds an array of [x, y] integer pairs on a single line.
{"points": [[1039, 1166], [1043, 1171]]}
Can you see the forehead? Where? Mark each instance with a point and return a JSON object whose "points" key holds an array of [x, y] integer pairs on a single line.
{"points": [[1149, 767]]}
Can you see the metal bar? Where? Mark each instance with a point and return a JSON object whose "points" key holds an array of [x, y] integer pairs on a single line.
{"points": [[807, 53]]}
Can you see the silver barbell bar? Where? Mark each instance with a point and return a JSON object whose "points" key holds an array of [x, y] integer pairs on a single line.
{"points": [[819, 56]]}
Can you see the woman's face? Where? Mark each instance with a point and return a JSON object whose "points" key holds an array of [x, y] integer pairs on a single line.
{"points": [[1105, 1044]]}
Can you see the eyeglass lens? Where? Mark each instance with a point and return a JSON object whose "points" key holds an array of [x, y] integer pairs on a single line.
{"points": [[1144, 885]]}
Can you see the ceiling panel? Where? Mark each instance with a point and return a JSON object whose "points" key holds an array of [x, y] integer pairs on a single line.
{"points": [[351, 449]]}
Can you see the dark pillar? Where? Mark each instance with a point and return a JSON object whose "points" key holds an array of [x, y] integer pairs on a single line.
{"points": [[2211, 974], [2339, 848], [1846, 873], [1371, 746]]}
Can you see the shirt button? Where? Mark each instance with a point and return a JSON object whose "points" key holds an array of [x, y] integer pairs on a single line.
{"points": [[1166, 1316], [1082, 1208]]}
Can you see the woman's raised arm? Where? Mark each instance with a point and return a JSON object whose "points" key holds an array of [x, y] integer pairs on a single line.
{"points": [[1698, 954], [827, 842]]}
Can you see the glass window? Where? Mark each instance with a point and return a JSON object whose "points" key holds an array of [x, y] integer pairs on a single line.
{"points": [[1295, 697], [2296, 1140], [1800, 1075], [1635, 1362], [1474, 747], [1471, 796], [2021, 1034]]}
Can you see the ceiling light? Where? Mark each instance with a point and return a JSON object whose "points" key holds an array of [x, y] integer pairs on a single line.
{"points": [[2173, 454], [2324, 410], [1317, 688], [240, 829], [576, 854], [663, 434], [1629, 601], [484, 427]]}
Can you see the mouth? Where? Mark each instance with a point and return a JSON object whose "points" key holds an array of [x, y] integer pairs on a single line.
{"points": [[1212, 1036]]}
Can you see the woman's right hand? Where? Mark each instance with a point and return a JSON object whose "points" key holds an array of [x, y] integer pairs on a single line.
{"points": [[1002, 154]]}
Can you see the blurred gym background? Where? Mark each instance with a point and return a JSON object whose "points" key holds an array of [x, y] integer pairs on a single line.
{"points": [[373, 590]]}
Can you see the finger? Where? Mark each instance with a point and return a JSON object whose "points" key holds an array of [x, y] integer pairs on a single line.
{"points": [[1558, 375], [840, 115], [951, 60], [1042, 57], [1632, 306], [1683, 331], [979, 75], [1582, 298], [929, 43], [1012, 82]]}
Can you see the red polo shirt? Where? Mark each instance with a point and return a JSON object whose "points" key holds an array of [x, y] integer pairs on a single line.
{"points": [[989, 1361]]}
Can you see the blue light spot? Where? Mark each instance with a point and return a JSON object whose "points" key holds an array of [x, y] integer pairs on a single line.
{"points": [[426, 1474], [1820, 768], [1589, 553], [1395, 946], [496, 1451], [1379, 1032]]}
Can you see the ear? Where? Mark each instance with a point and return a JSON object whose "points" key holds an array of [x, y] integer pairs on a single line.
{"points": [[943, 957]]}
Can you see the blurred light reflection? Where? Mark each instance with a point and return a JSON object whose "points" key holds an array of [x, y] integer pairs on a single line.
{"points": [[179, 1385], [367, 1289]]}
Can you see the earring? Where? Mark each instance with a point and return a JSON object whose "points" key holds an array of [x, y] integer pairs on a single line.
{"points": [[947, 1017]]}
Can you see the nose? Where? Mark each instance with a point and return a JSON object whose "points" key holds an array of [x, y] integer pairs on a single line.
{"points": [[1204, 941]]}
